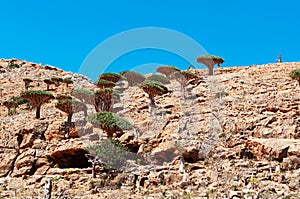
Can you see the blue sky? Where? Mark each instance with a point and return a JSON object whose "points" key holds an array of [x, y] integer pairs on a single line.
{"points": [[63, 32]]}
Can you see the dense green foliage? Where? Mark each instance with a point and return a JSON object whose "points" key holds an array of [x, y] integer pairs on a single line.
{"points": [[13, 65], [110, 76], [110, 122], [63, 97], [111, 153], [37, 98], [102, 83]]}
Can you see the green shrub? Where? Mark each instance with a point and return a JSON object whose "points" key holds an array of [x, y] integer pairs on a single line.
{"points": [[13, 65], [110, 152], [295, 74], [110, 122]]}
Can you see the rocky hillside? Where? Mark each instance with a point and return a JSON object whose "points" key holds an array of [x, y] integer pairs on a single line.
{"points": [[234, 135]]}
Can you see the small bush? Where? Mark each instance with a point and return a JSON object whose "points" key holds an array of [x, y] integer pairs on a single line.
{"points": [[110, 152], [110, 122], [13, 66]]}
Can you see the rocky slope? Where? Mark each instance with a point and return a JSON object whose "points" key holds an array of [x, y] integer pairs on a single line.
{"points": [[237, 131]]}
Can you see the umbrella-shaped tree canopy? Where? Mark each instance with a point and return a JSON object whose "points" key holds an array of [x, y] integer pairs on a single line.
{"points": [[167, 70], [112, 77], [210, 61]]}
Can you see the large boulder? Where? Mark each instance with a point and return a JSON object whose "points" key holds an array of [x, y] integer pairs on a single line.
{"points": [[273, 149]]}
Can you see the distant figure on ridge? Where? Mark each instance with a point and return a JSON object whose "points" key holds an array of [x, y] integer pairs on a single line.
{"points": [[279, 59]]}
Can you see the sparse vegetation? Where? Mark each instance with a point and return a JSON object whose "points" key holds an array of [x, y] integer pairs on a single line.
{"points": [[37, 98], [133, 77], [110, 122], [167, 70], [295, 75], [210, 61]]}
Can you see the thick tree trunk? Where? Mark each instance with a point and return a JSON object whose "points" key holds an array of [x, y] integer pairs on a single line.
{"points": [[69, 121], [94, 170], [26, 85], [183, 90], [210, 70], [38, 112]]}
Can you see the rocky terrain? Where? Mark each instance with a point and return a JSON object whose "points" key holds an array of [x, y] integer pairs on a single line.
{"points": [[235, 135]]}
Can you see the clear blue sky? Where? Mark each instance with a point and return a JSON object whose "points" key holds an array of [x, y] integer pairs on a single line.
{"points": [[63, 32]]}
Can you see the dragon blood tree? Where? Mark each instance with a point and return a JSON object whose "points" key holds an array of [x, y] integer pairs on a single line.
{"points": [[63, 97], [159, 78], [27, 82], [102, 83], [70, 107], [167, 70], [104, 99], [153, 89], [132, 77], [11, 106], [67, 81], [37, 98], [210, 61], [57, 80], [84, 95], [111, 77], [184, 77], [110, 123], [49, 82]]}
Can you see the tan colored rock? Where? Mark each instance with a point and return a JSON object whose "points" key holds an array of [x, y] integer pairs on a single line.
{"points": [[25, 163], [276, 149], [7, 157]]}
